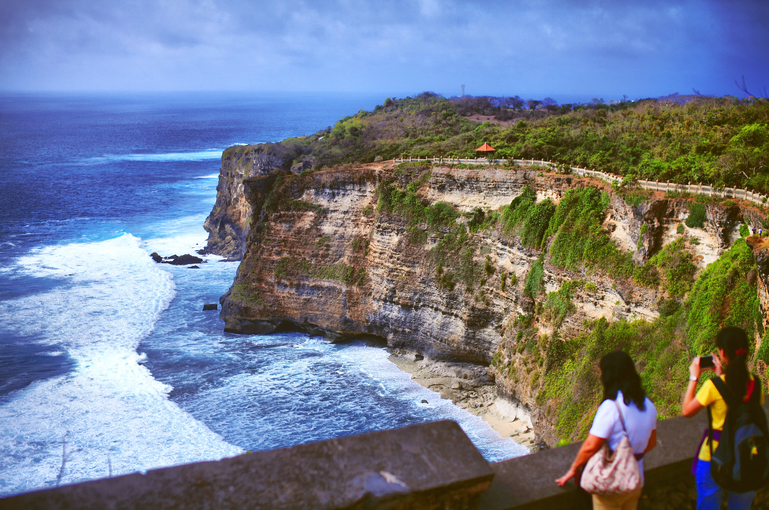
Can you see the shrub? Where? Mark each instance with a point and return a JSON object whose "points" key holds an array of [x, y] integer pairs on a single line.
{"points": [[533, 284], [744, 230], [644, 229], [697, 215], [676, 265], [723, 296], [488, 266]]}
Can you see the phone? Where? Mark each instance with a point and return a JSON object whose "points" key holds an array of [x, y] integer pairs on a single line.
{"points": [[706, 362]]}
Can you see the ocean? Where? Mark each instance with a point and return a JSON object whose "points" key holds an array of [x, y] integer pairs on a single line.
{"points": [[108, 365]]}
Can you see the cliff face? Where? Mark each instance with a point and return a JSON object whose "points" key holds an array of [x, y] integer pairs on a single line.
{"points": [[325, 259], [228, 224], [319, 255]]}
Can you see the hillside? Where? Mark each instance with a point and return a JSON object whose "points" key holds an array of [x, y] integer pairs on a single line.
{"points": [[717, 141]]}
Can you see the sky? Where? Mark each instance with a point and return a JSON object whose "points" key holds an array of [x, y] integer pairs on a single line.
{"points": [[564, 49]]}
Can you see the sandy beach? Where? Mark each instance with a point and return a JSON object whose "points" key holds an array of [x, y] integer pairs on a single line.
{"points": [[469, 387]]}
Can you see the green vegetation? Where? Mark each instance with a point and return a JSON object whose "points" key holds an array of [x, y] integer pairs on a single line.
{"points": [[533, 284], [289, 267], [572, 385], [697, 216], [723, 295], [744, 230], [634, 197], [673, 266], [644, 229], [717, 141], [558, 304], [408, 204], [579, 239], [241, 293]]}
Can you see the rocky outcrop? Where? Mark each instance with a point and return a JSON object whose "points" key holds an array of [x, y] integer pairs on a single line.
{"points": [[761, 253], [229, 223], [318, 256], [326, 260]]}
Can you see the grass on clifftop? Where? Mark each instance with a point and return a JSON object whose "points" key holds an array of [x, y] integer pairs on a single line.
{"points": [[717, 141]]}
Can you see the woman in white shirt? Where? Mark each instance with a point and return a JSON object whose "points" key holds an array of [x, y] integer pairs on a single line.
{"points": [[621, 384]]}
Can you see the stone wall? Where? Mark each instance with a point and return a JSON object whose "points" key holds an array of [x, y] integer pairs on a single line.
{"points": [[406, 468], [426, 466], [528, 483]]}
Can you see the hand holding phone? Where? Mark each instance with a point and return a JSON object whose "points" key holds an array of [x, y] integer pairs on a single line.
{"points": [[706, 362]]}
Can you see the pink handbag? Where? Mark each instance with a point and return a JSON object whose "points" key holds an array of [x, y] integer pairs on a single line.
{"points": [[610, 472]]}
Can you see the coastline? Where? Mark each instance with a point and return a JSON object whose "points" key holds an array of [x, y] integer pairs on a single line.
{"points": [[470, 387]]}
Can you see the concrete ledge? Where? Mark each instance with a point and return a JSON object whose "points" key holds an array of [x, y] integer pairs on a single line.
{"points": [[528, 482], [426, 466]]}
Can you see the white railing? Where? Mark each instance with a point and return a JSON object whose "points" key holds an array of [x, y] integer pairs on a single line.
{"points": [[698, 189]]}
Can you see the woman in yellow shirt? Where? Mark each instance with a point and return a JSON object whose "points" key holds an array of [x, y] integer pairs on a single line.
{"points": [[731, 366]]}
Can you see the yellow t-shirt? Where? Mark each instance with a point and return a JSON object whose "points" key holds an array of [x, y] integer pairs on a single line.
{"points": [[709, 396]]}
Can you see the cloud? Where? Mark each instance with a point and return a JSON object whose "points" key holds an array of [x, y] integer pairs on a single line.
{"points": [[519, 46]]}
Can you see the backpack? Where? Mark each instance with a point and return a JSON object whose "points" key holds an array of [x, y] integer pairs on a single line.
{"points": [[740, 462]]}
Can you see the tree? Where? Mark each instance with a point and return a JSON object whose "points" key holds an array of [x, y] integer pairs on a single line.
{"points": [[550, 104], [744, 88], [516, 102]]}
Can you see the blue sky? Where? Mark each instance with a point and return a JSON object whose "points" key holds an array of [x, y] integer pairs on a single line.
{"points": [[558, 48]]}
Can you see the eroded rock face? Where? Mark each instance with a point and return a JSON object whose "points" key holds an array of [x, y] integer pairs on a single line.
{"points": [[761, 253], [228, 224], [318, 256], [325, 259]]}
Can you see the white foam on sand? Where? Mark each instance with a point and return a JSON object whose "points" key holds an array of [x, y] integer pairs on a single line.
{"points": [[393, 381]]}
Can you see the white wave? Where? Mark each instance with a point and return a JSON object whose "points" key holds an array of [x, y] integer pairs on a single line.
{"points": [[212, 176], [109, 409], [205, 155], [374, 361]]}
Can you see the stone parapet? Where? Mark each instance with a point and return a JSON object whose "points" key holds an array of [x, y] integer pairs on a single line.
{"points": [[426, 466], [528, 483]]}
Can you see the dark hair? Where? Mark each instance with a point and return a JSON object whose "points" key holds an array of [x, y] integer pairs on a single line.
{"points": [[733, 340], [618, 374]]}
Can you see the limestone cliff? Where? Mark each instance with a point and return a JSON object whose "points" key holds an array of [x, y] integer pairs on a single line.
{"points": [[322, 253], [228, 224]]}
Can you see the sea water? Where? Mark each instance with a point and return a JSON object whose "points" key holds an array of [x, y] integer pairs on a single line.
{"points": [[108, 365]]}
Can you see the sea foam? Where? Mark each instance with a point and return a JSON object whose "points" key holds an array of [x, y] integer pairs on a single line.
{"points": [[108, 414]]}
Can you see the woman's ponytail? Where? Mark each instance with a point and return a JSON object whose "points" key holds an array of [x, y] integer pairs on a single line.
{"points": [[735, 344]]}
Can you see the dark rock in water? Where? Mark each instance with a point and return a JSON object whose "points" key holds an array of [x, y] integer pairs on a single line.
{"points": [[210, 306], [424, 401], [184, 260], [201, 252], [193, 267], [157, 258]]}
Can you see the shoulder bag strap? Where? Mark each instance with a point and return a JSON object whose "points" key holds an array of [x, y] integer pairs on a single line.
{"points": [[724, 391], [622, 421], [710, 432]]}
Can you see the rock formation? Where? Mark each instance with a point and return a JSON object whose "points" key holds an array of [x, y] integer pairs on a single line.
{"points": [[318, 255]]}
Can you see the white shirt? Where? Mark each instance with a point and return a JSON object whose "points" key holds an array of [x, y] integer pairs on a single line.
{"points": [[639, 424]]}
